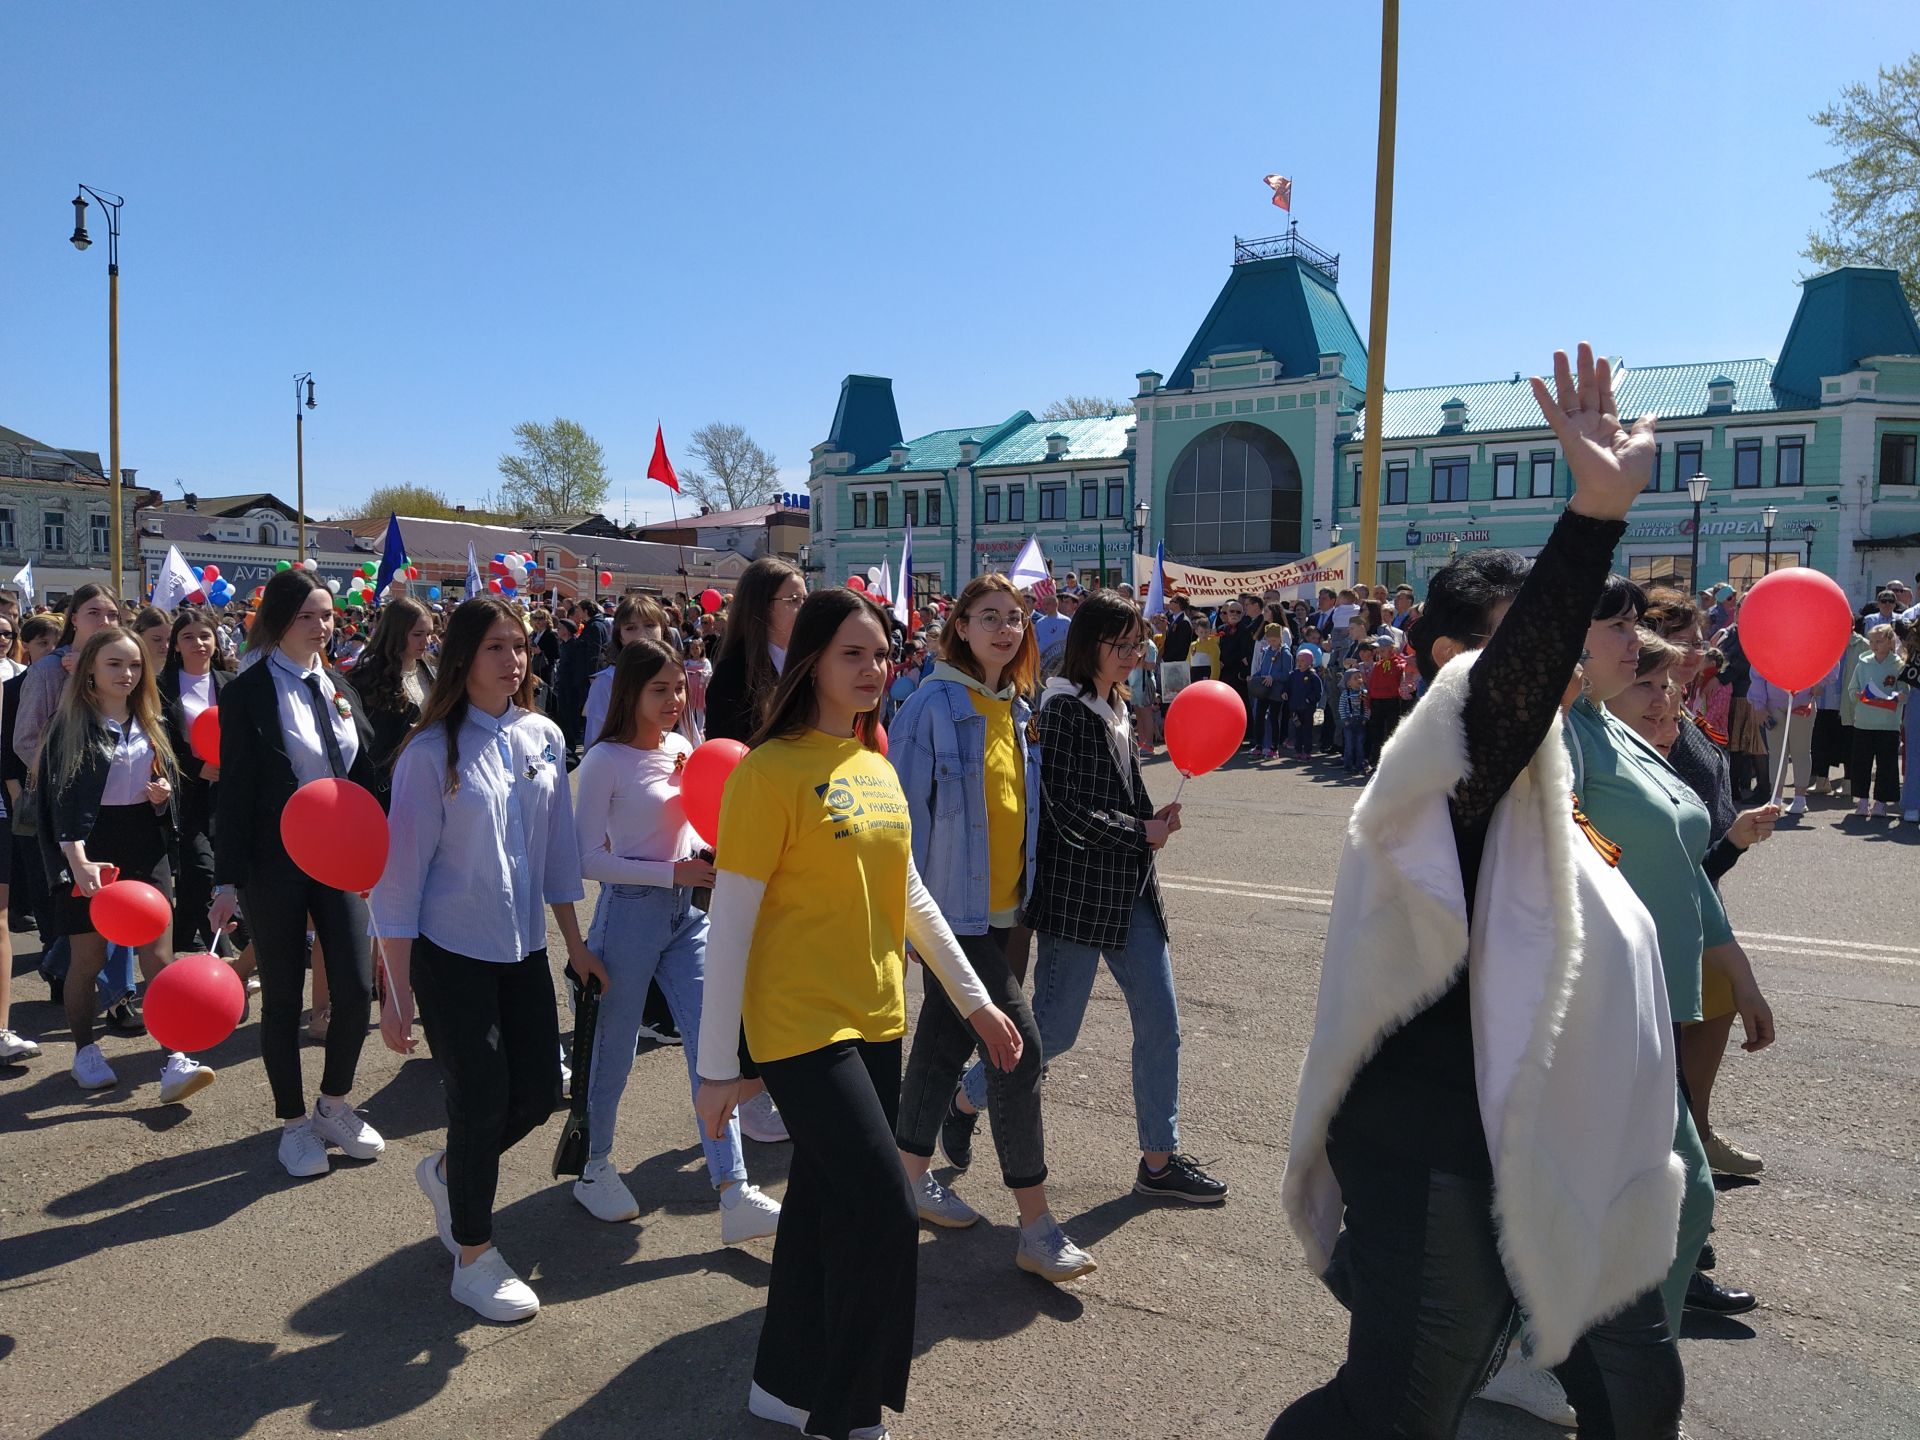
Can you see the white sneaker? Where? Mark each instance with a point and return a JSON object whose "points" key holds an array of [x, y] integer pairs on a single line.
{"points": [[760, 1120], [303, 1152], [1535, 1391], [1799, 805], [492, 1291], [90, 1068], [604, 1193], [940, 1206], [16, 1047], [346, 1131], [1047, 1252], [427, 1176], [181, 1077], [747, 1213], [772, 1407]]}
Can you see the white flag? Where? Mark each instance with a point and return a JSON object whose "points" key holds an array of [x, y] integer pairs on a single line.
{"points": [[885, 583], [903, 602], [23, 581], [473, 573], [1029, 566], [175, 582]]}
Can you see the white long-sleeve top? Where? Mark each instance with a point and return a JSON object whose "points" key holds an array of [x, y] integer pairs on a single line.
{"points": [[627, 813], [730, 925]]}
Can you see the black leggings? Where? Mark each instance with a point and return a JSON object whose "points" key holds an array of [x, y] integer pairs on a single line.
{"points": [[1383, 718], [838, 1336], [942, 1045], [1418, 1266], [495, 1036], [1876, 756], [277, 900]]}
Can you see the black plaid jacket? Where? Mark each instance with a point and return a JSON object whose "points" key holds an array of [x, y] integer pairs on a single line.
{"points": [[1093, 841]]}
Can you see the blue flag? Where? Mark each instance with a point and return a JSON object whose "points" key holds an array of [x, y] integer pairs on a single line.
{"points": [[393, 561]]}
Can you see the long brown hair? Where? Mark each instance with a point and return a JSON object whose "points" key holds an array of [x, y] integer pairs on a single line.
{"points": [[748, 628], [643, 608], [80, 597], [1023, 671], [635, 669], [76, 725], [792, 708], [280, 601], [185, 618], [380, 674], [447, 703]]}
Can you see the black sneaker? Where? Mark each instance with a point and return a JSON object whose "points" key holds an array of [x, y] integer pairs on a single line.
{"points": [[956, 1135], [1181, 1180], [124, 1016]]}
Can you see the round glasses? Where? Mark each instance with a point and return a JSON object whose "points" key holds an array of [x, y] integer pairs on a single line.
{"points": [[994, 621]]}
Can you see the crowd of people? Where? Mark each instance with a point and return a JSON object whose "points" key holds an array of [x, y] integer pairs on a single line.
{"points": [[1502, 1148]]}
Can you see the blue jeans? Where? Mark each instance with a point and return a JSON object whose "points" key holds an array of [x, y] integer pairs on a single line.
{"points": [[1353, 746], [1063, 979], [116, 976], [648, 933]]}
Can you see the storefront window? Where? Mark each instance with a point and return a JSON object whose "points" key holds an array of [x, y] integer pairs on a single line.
{"points": [[1743, 570], [1234, 491], [1651, 570]]}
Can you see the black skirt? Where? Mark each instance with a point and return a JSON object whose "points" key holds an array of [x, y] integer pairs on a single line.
{"points": [[132, 838]]}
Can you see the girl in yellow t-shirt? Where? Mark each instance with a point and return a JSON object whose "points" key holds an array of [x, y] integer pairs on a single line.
{"points": [[815, 895]]}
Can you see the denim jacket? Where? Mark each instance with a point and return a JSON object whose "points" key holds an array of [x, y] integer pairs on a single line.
{"points": [[937, 744]]}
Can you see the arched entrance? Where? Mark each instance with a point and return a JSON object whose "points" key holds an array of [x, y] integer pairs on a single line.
{"points": [[1233, 499]]}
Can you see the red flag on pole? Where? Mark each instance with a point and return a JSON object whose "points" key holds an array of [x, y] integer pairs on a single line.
{"points": [[1282, 191], [660, 468]]}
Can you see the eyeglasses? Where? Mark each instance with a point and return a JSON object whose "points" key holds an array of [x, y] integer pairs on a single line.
{"points": [[6, 634], [1126, 648], [994, 621], [796, 601]]}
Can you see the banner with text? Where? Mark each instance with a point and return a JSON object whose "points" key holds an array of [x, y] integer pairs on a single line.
{"points": [[1300, 579]]}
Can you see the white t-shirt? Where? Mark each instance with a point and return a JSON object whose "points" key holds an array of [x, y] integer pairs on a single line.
{"points": [[627, 813]]}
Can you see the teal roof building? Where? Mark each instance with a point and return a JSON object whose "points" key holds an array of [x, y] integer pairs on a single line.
{"points": [[1247, 453]]}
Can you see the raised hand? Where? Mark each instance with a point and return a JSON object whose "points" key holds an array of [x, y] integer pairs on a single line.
{"points": [[1611, 465]]}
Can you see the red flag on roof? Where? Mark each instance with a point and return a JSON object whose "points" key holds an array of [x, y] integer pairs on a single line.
{"points": [[660, 468], [1282, 191]]}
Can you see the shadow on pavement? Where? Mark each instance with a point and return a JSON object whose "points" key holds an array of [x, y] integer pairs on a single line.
{"points": [[699, 1377]]}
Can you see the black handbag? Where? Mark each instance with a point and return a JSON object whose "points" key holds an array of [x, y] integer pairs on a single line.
{"points": [[570, 1155]]}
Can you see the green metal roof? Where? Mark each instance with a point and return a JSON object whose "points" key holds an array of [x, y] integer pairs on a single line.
{"points": [[1018, 440], [1666, 391], [1285, 306], [1845, 316]]}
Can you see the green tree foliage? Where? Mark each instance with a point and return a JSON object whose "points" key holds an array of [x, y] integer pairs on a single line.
{"points": [[555, 469], [1874, 218], [418, 500]]}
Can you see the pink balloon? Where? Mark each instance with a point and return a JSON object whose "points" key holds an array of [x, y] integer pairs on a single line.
{"points": [[1794, 625], [1205, 724]]}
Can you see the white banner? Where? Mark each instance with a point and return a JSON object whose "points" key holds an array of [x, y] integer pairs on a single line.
{"points": [[1301, 579]]}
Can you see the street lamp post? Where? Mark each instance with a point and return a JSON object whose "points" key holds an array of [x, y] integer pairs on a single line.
{"points": [[593, 562], [1142, 513], [79, 239], [1807, 532], [300, 450], [1697, 484], [1767, 518]]}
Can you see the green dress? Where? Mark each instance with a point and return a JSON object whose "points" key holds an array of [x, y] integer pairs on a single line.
{"points": [[1637, 800]]}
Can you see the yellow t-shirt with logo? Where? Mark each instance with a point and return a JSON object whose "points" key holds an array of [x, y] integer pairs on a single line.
{"points": [[1006, 792], [820, 821]]}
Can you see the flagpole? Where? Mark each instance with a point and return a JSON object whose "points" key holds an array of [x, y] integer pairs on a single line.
{"points": [[686, 581], [1364, 563]]}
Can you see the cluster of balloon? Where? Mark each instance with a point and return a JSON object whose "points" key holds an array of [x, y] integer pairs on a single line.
{"points": [[336, 832], [214, 589], [711, 600], [702, 782], [307, 564], [1794, 626], [194, 1003], [506, 572], [1204, 726]]}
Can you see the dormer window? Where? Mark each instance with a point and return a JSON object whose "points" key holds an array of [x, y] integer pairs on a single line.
{"points": [[1056, 446], [897, 457], [1719, 393], [1453, 416], [969, 450]]}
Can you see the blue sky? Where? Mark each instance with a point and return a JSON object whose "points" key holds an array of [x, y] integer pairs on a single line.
{"points": [[462, 216]]}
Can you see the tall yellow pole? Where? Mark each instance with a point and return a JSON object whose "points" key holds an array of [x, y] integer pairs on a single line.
{"points": [[1365, 567], [113, 428]]}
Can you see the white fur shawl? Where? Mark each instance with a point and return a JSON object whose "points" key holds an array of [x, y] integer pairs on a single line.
{"points": [[1573, 1046]]}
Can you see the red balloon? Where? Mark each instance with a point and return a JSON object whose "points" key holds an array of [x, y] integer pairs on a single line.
{"points": [[702, 782], [711, 600], [194, 1003], [1794, 625], [130, 912], [854, 582], [336, 832], [1205, 724], [210, 574], [606, 577], [204, 737], [413, 572], [494, 586]]}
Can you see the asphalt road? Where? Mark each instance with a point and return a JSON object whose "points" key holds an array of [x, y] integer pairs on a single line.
{"points": [[160, 1275]]}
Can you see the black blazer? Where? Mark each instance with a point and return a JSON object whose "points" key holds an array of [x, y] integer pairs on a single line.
{"points": [[1094, 854], [193, 793], [69, 812], [257, 775], [729, 717], [12, 767]]}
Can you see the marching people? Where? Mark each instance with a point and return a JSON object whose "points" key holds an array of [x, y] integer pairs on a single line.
{"points": [[1485, 1117], [970, 774], [285, 720], [33, 641], [393, 680], [104, 790], [482, 844], [635, 618], [195, 672], [815, 894], [633, 838]]}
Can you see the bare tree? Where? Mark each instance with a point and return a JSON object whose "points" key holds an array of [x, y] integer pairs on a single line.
{"points": [[1875, 215], [732, 471], [558, 470], [1085, 407]]}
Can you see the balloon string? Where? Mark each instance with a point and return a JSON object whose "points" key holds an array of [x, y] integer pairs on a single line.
{"points": [[1780, 765]]}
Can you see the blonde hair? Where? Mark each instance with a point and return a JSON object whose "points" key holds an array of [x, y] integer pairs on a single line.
{"points": [[75, 725]]}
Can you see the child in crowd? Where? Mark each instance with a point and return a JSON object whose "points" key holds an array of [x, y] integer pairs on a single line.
{"points": [[1205, 655], [1303, 692], [699, 672], [1713, 698], [1272, 659], [1353, 724]]}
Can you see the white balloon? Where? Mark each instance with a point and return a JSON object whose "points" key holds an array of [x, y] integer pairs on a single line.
{"points": [[873, 574], [309, 564], [334, 586]]}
